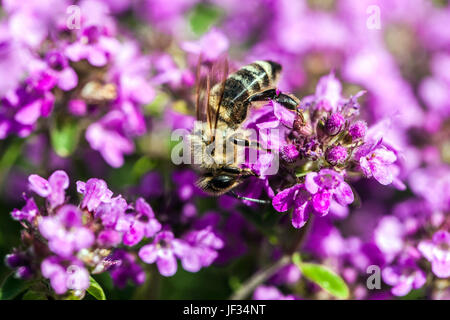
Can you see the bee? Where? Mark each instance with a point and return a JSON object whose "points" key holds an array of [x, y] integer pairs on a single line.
{"points": [[226, 105]]}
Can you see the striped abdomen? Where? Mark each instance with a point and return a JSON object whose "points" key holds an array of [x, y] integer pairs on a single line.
{"points": [[241, 85]]}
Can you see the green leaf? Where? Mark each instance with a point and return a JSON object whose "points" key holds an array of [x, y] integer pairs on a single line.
{"points": [[325, 278], [415, 294], [156, 107], [296, 259], [12, 287], [203, 17], [96, 290], [34, 295], [65, 139], [9, 157], [141, 167]]}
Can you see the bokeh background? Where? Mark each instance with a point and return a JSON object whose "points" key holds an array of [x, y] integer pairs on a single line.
{"points": [[396, 50]]}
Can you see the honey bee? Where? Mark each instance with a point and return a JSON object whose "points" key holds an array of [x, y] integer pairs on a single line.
{"points": [[227, 104]]}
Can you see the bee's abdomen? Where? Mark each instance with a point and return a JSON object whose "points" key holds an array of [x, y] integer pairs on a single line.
{"points": [[240, 85], [250, 79]]}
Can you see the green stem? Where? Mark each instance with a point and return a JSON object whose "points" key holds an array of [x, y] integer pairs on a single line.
{"points": [[261, 276]]}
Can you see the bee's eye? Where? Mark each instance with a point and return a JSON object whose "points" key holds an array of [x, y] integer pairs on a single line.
{"points": [[232, 170], [222, 182]]}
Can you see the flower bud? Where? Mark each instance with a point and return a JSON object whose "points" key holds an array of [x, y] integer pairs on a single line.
{"points": [[77, 107], [334, 124], [24, 272], [336, 155], [14, 260], [358, 130], [289, 153]]}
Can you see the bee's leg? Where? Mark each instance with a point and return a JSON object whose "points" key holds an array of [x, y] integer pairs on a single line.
{"points": [[287, 100], [248, 199], [244, 173]]}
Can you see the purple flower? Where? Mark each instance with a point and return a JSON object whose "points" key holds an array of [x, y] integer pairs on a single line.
{"points": [[65, 232], [144, 224], [202, 247], [433, 184], [273, 122], [328, 93], [334, 124], [21, 262], [115, 222], [95, 191], [162, 14], [94, 45], [376, 161], [437, 252], [168, 72], [108, 137], [70, 240], [53, 189], [289, 153], [297, 197], [124, 267], [164, 250], [327, 184], [77, 107], [74, 277], [112, 212], [358, 129], [336, 155], [67, 78], [389, 237], [22, 107], [211, 45], [270, 293], [130, 72], [29, 212], [404, 276]]}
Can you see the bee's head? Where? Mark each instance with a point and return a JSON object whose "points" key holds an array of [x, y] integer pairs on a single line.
{"points": [[218, 184]]}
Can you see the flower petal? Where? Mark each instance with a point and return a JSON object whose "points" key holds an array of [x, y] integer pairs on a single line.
{"points": [[191, 262], [39, 185], [59, 181], [285, 199], [148, 253], [321, 202], [441, 268], [134, 234], [310, 182], [167, 263], [344, 194], [381, 172], [67, 79], [300, 216]]}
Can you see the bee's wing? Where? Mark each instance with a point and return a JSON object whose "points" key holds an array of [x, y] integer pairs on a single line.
{"points": [[201, 91], [219, 74], [210, 77]]}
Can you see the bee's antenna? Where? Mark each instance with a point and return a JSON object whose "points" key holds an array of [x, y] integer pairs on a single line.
{"points": [[248, 199]]}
